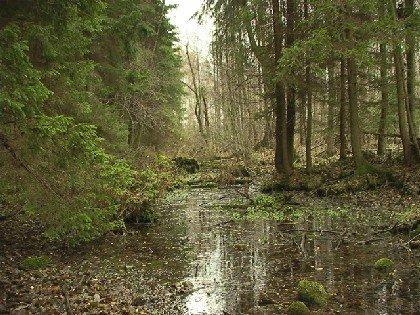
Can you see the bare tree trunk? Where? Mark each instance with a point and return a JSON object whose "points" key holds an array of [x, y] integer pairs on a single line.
{"points": [[197, 109], [355, 134], [384, 99], [402, 115], [206, 110], [401, 96], [411, 79], [291, 92], [331, 105], [343, 112], [282, 162], [302, 118], [309, 119], [308, 142]]}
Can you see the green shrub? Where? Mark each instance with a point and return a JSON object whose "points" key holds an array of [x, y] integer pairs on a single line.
{"points": [[384, 264], [312, 292], [298, 308]]}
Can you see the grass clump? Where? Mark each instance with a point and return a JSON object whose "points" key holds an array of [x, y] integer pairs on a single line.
{"points": [[298, 308], [312, 292], [384, 264], [35, 262]]}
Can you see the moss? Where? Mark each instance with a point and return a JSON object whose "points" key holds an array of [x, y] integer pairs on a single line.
{"points": [[384, 264], [298, 308], [312, 292], [35, 262], [189, 165]]}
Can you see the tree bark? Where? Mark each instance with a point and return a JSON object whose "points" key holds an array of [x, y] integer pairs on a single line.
{"points": [[197, 109], [282, 162], [308, 142], [331, 105], [384, 99], [411, 79], [343, 111], [291, 92], [401, 95], [355, 135], [302, 118], [402, 115], [309, 119]]}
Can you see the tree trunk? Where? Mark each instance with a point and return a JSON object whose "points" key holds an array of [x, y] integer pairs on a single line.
{"points": [[402, 115], [206, 111], [331, 105], [309, 119], [355, 134], [384, 99], [411, 79], [197, 109], [343, 112], [291, 92], [282, 162], [308, 142], [401, 96], [302, 118]]}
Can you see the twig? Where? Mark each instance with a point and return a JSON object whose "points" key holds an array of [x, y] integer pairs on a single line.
{"points": [[313, 231], [411, 240], [67, 302]]}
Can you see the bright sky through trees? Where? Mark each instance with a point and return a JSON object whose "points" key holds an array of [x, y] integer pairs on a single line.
{"points": [[189, 29]]}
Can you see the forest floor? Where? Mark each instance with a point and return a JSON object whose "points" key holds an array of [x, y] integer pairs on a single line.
{"points": [[220, 246]]}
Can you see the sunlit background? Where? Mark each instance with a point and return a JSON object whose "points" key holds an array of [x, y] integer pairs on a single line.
{"points": [[190, 31]]}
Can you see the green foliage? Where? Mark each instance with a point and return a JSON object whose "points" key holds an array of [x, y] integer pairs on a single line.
{"points": [[384, 264], [312, 292], [21, 87], [264, 203], [298, 308], [35, 262], [77, 80]]}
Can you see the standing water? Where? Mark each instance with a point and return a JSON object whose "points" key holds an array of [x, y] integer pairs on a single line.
{"points": [[209, 263]]}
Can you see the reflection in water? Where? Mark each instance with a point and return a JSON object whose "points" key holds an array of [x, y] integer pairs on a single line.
{"points": [[381, 302], [236, 263], [206, 278]]}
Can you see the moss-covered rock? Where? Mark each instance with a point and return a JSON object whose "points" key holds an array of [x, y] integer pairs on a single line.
{"points": [[189, 165], [35, 262], [384, 264], [312, 292], [298, 308]]}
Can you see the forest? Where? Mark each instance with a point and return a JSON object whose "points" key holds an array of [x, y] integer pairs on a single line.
{"points": [[276, 172]]}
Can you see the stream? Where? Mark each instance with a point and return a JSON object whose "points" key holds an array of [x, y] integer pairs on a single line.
{"points": [[202, 257], [203, 262]]}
